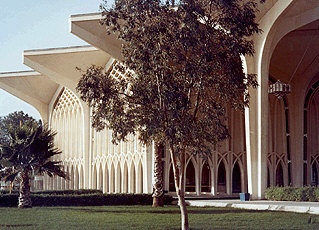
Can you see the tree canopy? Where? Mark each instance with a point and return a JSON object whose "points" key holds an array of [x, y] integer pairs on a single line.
{"points": [[185, 58], [27, 150], [11, 121]]}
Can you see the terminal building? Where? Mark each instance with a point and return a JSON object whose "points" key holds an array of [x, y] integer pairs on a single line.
{"points": [[274, 142]]}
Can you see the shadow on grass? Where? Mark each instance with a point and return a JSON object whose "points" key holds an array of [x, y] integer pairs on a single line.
{"points": [[161, 211], [15, 225]]}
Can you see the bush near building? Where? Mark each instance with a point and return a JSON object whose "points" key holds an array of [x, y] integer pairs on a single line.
{"points": [[307, 193], [87, 199]]}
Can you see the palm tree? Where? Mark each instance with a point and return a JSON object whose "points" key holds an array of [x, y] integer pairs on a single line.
{"points": [[30, 150], [158, 190]]}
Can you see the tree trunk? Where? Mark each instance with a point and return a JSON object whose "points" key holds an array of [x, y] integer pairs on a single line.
{"points": [[158, 191], [184, 212], [179, 178], [24, 197], [10, 187]]}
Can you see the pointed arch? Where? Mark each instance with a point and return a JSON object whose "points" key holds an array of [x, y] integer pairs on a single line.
{"points": [[221, 178], [236, 179], [67, 182], [76, 178], [190, 185], [55, 182], [314, 174], [72, 178], [125, 179], [118, 178], [81, 185], [94, 177], [106, 179], [172, 187], [100, 178], [139, 188], [132, 180], [279, 175], [206, 178], [112, 179]]}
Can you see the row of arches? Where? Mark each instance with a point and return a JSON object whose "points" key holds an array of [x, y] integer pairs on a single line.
{"points": [[211, 180], [74, 182], [117, 179]]}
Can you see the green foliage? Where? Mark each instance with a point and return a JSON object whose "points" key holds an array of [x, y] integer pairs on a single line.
{"points": [[12, 121], [30, 148], [187, 67], [307, 193], [86, 199], [69, 192]]}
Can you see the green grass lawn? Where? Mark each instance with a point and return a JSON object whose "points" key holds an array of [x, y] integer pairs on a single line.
{"points": [[145, 217]]}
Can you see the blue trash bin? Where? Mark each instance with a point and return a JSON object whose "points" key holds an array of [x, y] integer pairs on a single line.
{"points": [[244, 196]]}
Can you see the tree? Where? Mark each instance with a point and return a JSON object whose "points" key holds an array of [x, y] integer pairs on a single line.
{"points": [[30, 150], [13, 120], [187, 67]]}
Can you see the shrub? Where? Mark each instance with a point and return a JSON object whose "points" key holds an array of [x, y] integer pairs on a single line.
{"points": [[306, 193], [69, 192], [98, 199]]}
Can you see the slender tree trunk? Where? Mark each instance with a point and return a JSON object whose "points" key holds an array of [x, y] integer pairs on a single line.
{"points": [[10, 187], [24, 197], [179, 178], [158, 191]]}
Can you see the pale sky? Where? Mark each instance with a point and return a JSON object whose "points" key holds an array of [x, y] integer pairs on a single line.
{"points": [[35, 24]]}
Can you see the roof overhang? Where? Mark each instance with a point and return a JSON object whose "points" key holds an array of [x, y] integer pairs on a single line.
{"points": [[88, 28], [61, 64], [31, 87]]}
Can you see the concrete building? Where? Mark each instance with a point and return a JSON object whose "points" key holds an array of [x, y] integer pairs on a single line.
{"points": [[275, 142]]}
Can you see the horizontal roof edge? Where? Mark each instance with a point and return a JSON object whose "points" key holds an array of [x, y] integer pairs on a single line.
{"points": [[24, 73], [71, 49], [86, 17]]}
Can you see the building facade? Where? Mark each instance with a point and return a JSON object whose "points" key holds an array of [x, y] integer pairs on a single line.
{"points": [[275, 142]]}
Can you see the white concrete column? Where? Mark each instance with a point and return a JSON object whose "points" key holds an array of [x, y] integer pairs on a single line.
{"points": [[87, 147], [256, 128]]}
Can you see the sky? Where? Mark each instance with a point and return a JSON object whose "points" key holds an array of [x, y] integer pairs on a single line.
{"points": [[35, 24]]}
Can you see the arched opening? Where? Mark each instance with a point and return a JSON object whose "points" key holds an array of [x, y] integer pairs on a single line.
{"points": [[63, 184], [112, 179], [94, 176], [206, 178], [67, 182], [268, 177], [171, 180], [81, 178], [72, 178], [236, 185], [140, 178], [76, 178], [100, 184], [133, 179], [314, 174], [118, 178], [190, 177], [221, 178], [106, 180], [279, 175], [125, 179], [55, 182]]}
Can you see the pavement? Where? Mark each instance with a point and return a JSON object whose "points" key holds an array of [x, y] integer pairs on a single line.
{"points": [[286, 206]]}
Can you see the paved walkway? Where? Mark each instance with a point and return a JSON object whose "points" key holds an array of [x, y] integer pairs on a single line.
{"points": [[287, 206]]}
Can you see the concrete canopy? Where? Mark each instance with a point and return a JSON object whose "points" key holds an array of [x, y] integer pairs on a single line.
{"points": [[61, 64], [88, 28], [31, 87]]}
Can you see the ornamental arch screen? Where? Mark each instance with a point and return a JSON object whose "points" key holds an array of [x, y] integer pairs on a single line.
{"points": [[311, 132], [67, 121]]}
